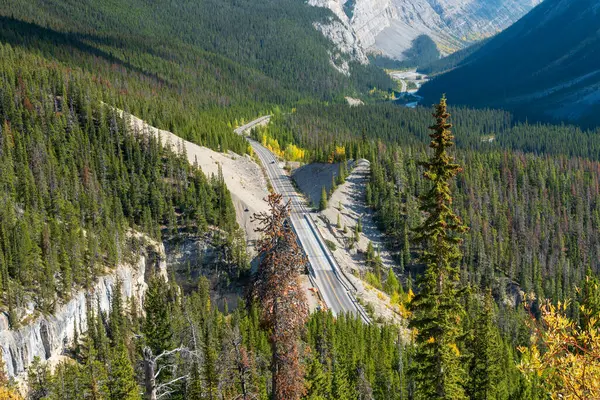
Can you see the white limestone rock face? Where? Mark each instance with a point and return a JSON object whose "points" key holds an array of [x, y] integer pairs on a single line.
{"points": [[338, 30], [347, 47], [370, 18], [389, 26], [48, 336], [336, 6]]}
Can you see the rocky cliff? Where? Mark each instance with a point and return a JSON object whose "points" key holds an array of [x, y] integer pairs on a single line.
{"points": [[47, 336], [341, 33], [390, 26]]}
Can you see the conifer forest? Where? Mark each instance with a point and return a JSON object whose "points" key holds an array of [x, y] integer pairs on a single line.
{"points": [[471, 266]]}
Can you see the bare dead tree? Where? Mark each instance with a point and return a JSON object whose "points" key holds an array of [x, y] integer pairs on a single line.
{"points": [[283, 304], [236, 368], [154, 391]]}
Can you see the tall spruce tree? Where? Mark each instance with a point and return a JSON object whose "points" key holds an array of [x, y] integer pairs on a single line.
{"points": [[121, 377], [317, 382], [156, 327], [437, 310], [486, 348]]}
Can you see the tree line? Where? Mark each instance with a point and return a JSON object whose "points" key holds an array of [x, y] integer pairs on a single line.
{"points": [[362, 131], [533, 214], [182, 346]]}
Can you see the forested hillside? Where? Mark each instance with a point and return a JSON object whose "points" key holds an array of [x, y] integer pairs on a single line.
{"points": [[190, 67], [494, 231], [320, 129], [75, 178], [518, 226], [528, 192]]}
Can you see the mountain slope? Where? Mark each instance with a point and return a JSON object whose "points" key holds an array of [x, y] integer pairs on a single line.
{"points": [[74, 178], [389, 27], [545, 66], [230, 59]]}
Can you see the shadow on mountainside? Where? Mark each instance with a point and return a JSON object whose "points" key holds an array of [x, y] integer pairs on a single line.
{"points": [[66, 47]]}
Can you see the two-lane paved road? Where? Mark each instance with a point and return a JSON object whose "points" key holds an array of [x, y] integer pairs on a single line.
{"points": [[324, 270]]}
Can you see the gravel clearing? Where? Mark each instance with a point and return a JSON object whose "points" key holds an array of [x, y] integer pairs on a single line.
{"points": [[243, 177], [351, 197]]}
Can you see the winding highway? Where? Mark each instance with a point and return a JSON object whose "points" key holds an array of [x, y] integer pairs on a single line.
{"points": [[325, 273]]}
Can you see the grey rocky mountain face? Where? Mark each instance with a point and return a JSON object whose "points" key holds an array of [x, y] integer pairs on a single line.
{"points": [[389, 27], [50, 336]]}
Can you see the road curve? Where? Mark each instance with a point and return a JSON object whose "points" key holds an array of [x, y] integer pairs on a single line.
{"points": [[324, 270]]}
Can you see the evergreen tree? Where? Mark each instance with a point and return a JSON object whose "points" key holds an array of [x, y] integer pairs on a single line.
{"points": [[210, 368], [589, 298], [101, 342], [317, 382], [340, 386], [391, 283], [341, 176], [156, 327], [323, 201], [121, 382], [486, 349], [437, 310], [38, 379], [194, 389], [116, 321], [96, 376]]}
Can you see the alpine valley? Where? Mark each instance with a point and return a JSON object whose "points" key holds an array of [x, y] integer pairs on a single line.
{"points": [[285, 200]]}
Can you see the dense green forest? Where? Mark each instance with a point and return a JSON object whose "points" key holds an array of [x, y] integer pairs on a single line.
{"points": [[183, 347], [223, 356], [227, 356], [191, 67], [533, 219], [74, 178], [481, 234], [320, 129], [528, 192]]}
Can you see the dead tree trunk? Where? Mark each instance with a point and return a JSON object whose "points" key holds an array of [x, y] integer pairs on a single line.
{"points": [[149, 375], [152, 390]]}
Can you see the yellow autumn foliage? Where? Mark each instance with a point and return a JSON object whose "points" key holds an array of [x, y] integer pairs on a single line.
{"points": [[569, 365], [291, 152], [404, 311], [294, 153], [455, 349], [337, 154], [7, 394]]}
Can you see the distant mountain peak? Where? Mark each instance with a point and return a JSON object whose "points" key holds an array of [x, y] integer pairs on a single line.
{"points": [[389, 27]]}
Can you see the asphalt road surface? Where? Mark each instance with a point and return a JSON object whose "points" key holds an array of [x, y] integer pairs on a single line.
{"points": [[334, 289]]}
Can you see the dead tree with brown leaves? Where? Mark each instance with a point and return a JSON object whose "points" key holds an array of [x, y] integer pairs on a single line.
{"points": [[283, 304]]}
